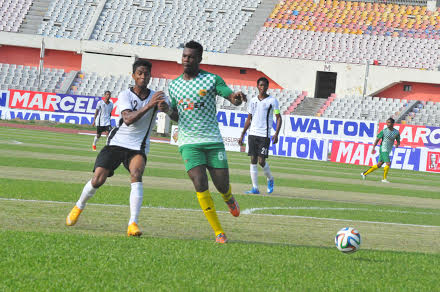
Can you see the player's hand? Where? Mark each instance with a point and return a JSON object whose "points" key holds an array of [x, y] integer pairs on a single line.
{"points": [[157, 97], [93, 124], [240, 141], [237, 98], [373, 151], [275, 139], [163, 106]]}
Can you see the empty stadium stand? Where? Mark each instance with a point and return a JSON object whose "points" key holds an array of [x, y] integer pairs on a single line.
{"points": [[26, 78], [369, 108], [68, 18], [92, 84], [12, 13], [425, 113], [351, 32]]}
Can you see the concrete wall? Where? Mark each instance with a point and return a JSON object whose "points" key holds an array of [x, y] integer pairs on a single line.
{"points": [[419, 91], [31, 57], [107, 64], [288, 73]]}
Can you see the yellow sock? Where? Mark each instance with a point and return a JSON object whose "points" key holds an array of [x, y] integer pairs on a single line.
{"points": [[371, 169], [207, 205], [385, 171], [228, 195]]}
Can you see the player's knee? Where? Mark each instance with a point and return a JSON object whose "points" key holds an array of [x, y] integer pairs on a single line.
{"points": [[98, 181], [262, 162], [136, 175], [200, 184]]}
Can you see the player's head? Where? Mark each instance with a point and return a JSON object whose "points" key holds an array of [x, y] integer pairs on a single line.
{"points": [[390, 122], [107, 96], [141, 72], [192, 56], [262, 84]]}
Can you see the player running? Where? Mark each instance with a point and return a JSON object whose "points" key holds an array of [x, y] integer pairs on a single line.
{"points": [[129, 144], [193, 105], [260, 119], [102, 118], [388, 135]]}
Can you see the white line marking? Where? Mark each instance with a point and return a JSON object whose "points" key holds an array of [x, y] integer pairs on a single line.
{"points": [[252, 210], [224, 212]]}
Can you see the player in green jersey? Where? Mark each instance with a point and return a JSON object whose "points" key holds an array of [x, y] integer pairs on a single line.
{"points": [[193, 105], [387, 135]]}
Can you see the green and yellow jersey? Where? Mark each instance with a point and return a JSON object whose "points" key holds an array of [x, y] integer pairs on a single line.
{"points": [[388, 137], [195, 101]]}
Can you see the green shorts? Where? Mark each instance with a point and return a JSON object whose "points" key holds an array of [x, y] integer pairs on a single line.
{"points": [[384, 156], [209, 154]]}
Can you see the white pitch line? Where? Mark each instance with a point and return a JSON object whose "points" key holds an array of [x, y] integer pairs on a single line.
{"points": [[195, 210], [252, 210]]}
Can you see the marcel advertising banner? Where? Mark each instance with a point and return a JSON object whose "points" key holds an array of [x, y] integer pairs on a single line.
{"points": [[63, 108], [360, 154], [417, 136]]}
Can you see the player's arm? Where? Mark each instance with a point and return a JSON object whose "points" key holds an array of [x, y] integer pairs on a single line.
{"points": [[398, 140], [379, 136], [167, 107], [236, 98], [171, 111], [277, 130], [276, 111], [129, 116], [246, 127], [96, 114]]}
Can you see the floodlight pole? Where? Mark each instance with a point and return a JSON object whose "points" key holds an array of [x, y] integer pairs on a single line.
{"points": [[40, 67], [367, 70]]}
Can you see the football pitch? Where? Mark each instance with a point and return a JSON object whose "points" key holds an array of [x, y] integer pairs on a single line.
{"points": [[282, 241]]}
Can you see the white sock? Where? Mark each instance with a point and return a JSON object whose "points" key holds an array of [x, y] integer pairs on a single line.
{"points": [[95, 141], [136, 196], [254, 176], [266, 170], [86, 194]]}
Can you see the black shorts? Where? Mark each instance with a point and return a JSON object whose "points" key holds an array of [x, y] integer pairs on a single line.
{"points": [[258, 146], [100, 129], [111, 157]]}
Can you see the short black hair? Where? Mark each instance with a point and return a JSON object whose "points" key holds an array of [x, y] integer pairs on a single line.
{"points": [[263, 79], [140, 63], [391, 120], [108, 92], [196, 46]]}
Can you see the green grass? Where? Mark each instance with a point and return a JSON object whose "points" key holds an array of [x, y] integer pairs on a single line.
{"points": [[87, 263], [180, 174], [274, 248], [69, 192]]}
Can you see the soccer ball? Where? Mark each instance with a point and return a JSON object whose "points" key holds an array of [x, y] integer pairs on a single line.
{"points": [[348, 240]]}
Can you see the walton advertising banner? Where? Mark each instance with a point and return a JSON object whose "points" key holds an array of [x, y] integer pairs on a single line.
{"points": [[231, 124], [330, 129]]}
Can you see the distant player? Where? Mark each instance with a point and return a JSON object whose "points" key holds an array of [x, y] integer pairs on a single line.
{"points": [[102, 118], [193, 105], [129, 144], [261, 110], [387, 135]]}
